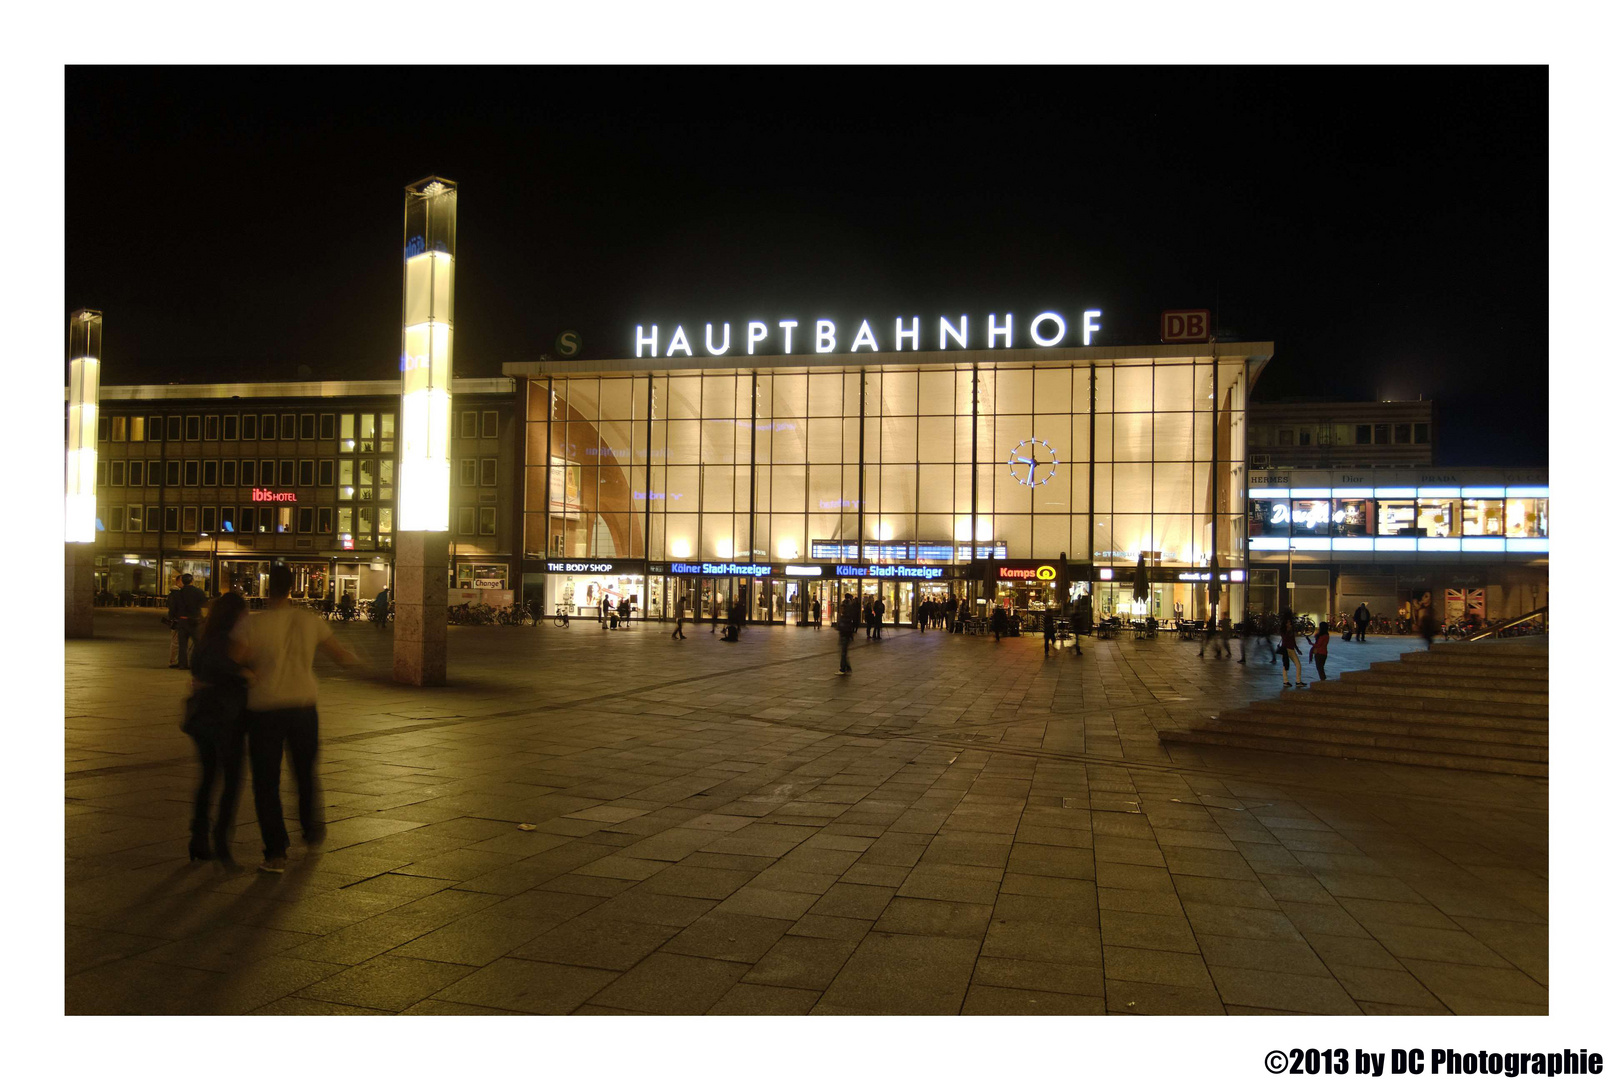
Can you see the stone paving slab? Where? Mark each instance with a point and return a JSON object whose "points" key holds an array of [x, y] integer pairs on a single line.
{"points": [[962, 826]]}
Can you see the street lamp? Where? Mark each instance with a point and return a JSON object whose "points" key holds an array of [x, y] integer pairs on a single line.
{"points": [[83, 416]]}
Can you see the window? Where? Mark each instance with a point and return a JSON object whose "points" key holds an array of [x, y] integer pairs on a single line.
{"points": [[305, 472], [288, 426], [249, 472], [1527, 517], [171, 474], [1484, 517], [366, 433], [209, 474], [386, 433], [170, 519], [489, 472], [467, 471], [344, 478], [1305, 437], [100, 473], [327, 429], [1310, 517], [193, 473], [305, 428], [283, 517], [174, 425], [366, 480], [154, 429], [190, 519], [232, 428], [490, 425], [467, 521], [385, 492], [1396, 517], [117, 474], [384, 525], [1285, 437], [103, 429], [327, 473], [1435, 517], [120, 428], [132, 523], [288, 472], [137, 473], [267, 431], [305, 519], [226, 519], [154, 519], [249, 427], [467, 425], [347, 432], [344, 525], [137, 429], [365, 537], [1352, 517], [1380, 434], [1419, 433], [249, 519], [489, 519], [210, 428], [193, 428], [226, 472], [327, 518], [1402, 433], [114, 519], [266, 473], [209, 519]]}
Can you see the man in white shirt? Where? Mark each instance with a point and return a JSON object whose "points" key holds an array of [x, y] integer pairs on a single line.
{"points": [[282, 711]]}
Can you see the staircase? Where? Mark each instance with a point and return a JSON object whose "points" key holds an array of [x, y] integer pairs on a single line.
{"points": [[1464, 705]]}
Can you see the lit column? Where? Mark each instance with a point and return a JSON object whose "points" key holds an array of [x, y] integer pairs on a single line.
{"points": [[420, 559], [83, 411]]}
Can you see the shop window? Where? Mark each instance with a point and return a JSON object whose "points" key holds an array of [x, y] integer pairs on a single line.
{"points": [[137, 429], [193, 473], [175, 426], [210, 428], [489, 472], [190, 519], [209, 474], [120, 428], [288, 426], [283, 519], [226, 519], [1396, 517], [170, 473], [137, 473], [327, 473], [347, 432], [1267, 517], [226, 472], [1435, 518], [366, 480], [467, 471], [1311, 517], [193, 428], [116, 477], [327, 428], [305, 519], [154, 429], [366, 433], [388, 432], [1420, 433], [307, 426], [114, 519], [232, 428], [1402, 433], [1484, 517], [249, 472], [154, 518], [267, 430], [288, 472], [1285, 437], [387, 465], [327, 519], [103, 429], [209, 519], [170, 519], [249, 427], [1527, 517], [100, 473], [305, 472], [132, 522], [1380, 434], [490, 425], [489, 520], [467, 425]]}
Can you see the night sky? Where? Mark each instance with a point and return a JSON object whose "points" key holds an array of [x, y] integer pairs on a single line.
{"points": [[1386, 228]]}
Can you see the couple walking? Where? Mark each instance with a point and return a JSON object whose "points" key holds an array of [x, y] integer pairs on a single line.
{"points": [[253, 691]]}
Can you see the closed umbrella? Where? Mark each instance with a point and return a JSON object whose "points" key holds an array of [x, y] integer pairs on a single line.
{"points": [[1064, 585], [1139, 585]]}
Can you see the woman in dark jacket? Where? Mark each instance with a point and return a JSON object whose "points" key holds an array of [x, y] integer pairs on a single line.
{"points": [[214, 718]]}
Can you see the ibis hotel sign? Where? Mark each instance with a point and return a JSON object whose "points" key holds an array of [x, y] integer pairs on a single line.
{"points": [[787, 337]]}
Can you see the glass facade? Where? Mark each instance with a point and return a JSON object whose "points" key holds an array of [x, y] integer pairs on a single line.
{"points": [[1399, 519]]}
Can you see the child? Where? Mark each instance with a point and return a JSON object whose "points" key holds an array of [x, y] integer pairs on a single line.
{"points": [[1319, 652]]}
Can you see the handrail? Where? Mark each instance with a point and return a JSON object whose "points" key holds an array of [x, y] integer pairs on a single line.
{"points": [[1490, 631]]}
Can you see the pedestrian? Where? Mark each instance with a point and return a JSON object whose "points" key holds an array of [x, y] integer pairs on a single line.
{"points": [[213, 720], [868, 619], [1318, 652], [535, 607], [1050, 622], [380, 606], [1213, 639], [625, 610], [185, 606], [817, 614], [677, 630], [1427, 625], [848, 630], [1362, 617], [879, 618], [1246, 634], [1290, 647], [283, 711], [999, 621]]}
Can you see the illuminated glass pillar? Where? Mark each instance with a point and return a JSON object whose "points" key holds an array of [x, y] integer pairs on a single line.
{"points": [[430, 208], [83, 410]]}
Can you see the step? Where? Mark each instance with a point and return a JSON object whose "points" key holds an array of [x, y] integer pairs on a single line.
{"points": [[1488, 680], [1211, 737], [1475, 661], [1440, 666], [1310, 718], [1500, 715], [1462, 747], [1396, 690], [1536, 645]]}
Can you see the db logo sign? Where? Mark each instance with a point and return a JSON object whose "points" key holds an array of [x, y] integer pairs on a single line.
{"points": [[1175, 326]]}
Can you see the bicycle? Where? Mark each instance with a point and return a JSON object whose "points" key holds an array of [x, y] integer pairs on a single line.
{"points": [[562, 616]]}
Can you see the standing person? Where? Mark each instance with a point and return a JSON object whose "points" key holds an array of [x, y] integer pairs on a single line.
{"points": [[879, 617], [1290, 647], [380, 605], [848, 630], [817, 613], [535, 606], [999, 621], [1050, 621], [625, 610], [1427, 625], [1362, 617], [283, 711], [1318, 652], [213, 720], [868, 618], [185, 606]]}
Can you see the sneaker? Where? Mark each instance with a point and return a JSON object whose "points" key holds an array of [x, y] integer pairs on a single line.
{"points": [[1302, 685], [273, 866]]}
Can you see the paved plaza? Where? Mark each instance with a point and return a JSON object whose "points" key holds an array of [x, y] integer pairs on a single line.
{"points": [[597, 822]]}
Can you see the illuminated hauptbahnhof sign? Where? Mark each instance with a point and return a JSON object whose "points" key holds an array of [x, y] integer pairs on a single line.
{"points": [[1044, 331]]}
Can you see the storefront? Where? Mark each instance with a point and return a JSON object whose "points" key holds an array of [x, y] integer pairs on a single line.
{"points": [[578, 587]]}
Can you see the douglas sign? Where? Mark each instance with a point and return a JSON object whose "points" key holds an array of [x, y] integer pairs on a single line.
{"points": [[788, 336]]}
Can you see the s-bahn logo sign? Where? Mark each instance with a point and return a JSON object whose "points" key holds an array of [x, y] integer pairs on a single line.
{"points": [[786, 337]]}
